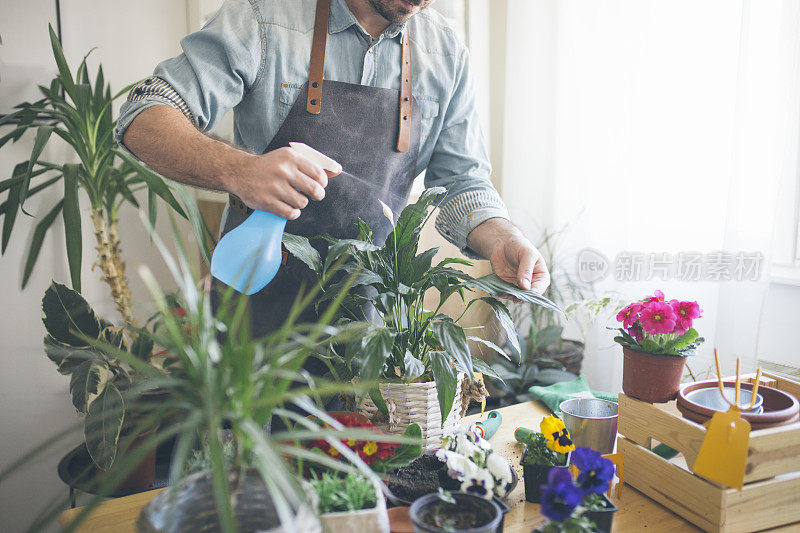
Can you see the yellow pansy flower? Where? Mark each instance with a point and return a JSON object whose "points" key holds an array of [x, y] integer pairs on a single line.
{"points": [[556, 434]]}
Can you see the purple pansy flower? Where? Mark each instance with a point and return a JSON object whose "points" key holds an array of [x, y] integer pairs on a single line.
{"points": [[596, 471], [560, 496]]}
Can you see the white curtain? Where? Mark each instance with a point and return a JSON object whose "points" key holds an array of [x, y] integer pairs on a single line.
{"points": [[655, 128]]}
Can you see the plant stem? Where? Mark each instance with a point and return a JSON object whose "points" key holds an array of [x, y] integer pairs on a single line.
{"points": [[111, 264]]}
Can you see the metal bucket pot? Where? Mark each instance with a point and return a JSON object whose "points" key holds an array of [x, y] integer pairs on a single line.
{"points": [[591, 422]]}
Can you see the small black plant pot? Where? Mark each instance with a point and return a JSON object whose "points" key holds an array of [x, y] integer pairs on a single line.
{"points": [[534, 476], [473, 514], [603, 519]]}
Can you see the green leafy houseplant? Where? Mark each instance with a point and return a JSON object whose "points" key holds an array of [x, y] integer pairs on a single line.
{"points": [[353, 492], [78, 111], [225, 387], [98, 378], [410, 344]]}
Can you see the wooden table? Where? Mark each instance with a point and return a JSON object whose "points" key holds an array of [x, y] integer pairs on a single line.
{"points": [[636, 511]]}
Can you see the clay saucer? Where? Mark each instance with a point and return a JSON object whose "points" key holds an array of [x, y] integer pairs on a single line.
{"points": [[780, 408]]}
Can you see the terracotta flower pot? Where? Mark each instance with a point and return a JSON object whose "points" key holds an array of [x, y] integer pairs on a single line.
{"points": [[144, 474], [651, 378]]}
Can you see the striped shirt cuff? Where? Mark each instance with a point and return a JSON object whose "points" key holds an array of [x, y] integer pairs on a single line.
{"points": [[145, 94], [463, 213]]}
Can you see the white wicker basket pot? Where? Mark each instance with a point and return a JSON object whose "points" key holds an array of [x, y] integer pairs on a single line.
{"points": [[375, 519], [414, 402]]}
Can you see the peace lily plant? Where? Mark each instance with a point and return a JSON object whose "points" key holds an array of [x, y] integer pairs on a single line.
{"points": [[409, 344], [78, 111]]}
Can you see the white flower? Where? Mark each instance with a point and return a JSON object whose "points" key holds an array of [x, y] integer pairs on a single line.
{"points": [[480, 483], [458, 466], [466, 447], [501, 472], [387, 212]]}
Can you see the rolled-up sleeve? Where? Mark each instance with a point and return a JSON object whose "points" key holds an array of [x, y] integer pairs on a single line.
{"points": [[219, 65], [460, 163]]}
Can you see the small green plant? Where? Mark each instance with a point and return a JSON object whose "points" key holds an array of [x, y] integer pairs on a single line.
{"points": [[352, 492], [409, 344]]}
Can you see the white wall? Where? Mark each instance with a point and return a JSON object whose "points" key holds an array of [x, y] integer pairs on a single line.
{"points": [[34, 401]]}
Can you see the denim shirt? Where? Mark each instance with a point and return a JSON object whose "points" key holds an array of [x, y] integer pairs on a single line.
{"points": [[253, 57]]}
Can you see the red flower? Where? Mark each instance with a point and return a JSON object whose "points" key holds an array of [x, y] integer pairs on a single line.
{"points": [[629, 315], [685, 313], [657, 317], [658, 296], [368, 451]]}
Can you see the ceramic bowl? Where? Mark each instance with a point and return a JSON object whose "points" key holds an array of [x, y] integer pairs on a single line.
{"points": [[780, 408]]}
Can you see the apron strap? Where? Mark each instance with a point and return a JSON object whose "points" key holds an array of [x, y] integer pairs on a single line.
{"points": [[314, 101], [404, 128], [317, 68]]}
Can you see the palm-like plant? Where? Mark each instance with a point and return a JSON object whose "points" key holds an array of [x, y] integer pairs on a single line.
{"points": [[410, 344], [223, 387], [79, 112]]}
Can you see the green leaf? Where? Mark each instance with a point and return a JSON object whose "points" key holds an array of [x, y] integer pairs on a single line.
{"points": [[376, 349], [377, 398], [446, 382], [406, 452], [13, 205], [66, 314], [420, 265], [72, 224], [87, 382], [63, 68], [506, 322], [451, 336], [142, 347], [103, 425], [498, 287], [489, 344], [114, 337], [67, 358], [684, 340], [154, 181], [36, 241], [548, 335], [99, 85], [201, 231], [42, 136], [414, 367], [405, 236], [300, 247], [484, 368]]}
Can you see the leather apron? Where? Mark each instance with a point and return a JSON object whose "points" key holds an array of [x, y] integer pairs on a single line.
{"points": [[373, 133]]}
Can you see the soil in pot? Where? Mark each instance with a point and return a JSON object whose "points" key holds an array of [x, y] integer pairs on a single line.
{"points": [[468, 513], [421, 476], [651, 378], [535, 475]]}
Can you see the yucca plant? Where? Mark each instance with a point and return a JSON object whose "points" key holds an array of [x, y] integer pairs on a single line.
{"points": [[410, 344], [79, 112], [224, 388]]}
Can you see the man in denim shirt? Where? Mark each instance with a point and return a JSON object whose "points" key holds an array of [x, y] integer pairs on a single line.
{"points": [[253, 57]]}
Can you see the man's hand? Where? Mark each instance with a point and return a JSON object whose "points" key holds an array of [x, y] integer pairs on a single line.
{"points": [[280, 182], [512, 256]]}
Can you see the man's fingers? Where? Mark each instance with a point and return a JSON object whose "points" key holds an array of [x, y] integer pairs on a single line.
{"points": [[282, 209], [290, 195], [541, 280], [311, 169], [307, 186], [525, 269]]}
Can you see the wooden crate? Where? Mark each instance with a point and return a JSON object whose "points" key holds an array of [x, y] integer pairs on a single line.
{"points": [[770, 497]]}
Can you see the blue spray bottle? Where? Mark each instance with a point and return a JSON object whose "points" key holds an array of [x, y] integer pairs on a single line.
{"points": [[248, 257]]}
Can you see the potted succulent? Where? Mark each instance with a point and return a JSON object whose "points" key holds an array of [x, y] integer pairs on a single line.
{"points": [[544, 451], [575, 506], [78, 110], [99, 380], [441, 512], [419, 357], [350, 503], [656, 337]]}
